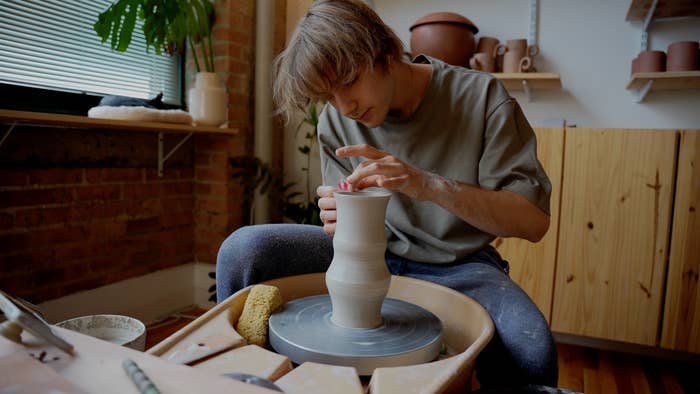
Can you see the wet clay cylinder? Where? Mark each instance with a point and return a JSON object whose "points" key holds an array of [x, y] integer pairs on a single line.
{"points": [[358, 279]]}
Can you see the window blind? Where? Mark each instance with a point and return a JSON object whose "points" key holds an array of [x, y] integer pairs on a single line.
{"points": [[51, 44]]}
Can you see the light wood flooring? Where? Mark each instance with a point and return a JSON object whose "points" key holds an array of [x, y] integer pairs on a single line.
{"points": [[581, 368]]}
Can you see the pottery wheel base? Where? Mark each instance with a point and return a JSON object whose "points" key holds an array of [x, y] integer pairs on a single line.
{"points": [[302, 330]]}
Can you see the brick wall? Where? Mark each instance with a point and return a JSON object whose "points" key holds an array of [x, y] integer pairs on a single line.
{"points": [[83, 208]]}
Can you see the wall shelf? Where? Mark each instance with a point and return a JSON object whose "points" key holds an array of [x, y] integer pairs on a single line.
{"points": [[528, 82], [667, 9], [14, 118], [643, 83], [60, 120]]}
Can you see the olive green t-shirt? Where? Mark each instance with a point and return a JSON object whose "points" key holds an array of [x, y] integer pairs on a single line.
{"points": [[467, 128]]}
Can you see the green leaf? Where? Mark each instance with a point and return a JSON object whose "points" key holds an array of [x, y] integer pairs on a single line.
{"points": [[127, 27]]}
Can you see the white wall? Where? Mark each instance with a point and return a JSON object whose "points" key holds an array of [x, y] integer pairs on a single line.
{"points": [[588, 43]]}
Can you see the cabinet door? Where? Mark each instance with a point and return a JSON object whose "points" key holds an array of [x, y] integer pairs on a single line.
{"points": [[613, 233], [532, 264], [681, 328]]}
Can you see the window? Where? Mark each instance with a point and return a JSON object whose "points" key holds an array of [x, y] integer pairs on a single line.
{"points": [[50, 45]]}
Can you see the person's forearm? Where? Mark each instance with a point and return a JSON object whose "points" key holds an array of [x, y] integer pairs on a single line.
{"points": [[499, 212]]}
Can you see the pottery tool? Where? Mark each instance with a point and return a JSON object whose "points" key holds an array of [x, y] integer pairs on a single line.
{"points": [[140, 379], [261, 302], [18, 314]]}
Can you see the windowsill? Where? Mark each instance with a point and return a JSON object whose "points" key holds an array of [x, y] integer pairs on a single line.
{"points": [[46, 119]]}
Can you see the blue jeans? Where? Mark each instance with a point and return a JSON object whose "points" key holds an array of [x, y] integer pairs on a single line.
{"points": [[522, 350]]}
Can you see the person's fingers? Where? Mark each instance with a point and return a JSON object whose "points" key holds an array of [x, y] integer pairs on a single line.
{"points": [[325, 191], [326, 203], [375, 168], [364, 150], [329, 228], [328, 216]]}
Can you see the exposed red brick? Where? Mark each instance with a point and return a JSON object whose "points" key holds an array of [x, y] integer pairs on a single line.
{"points": [[13, 178], [178, 204], [175, 220], [177, 188], [7, 220], [211, 205], [37, 217], [30, 197], [100, 193], [142, 191], [211, 175], [93, 175], [55, 176], [143, 225]]}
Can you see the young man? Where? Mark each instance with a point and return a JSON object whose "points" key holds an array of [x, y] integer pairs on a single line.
{"points": [[453, 147]]}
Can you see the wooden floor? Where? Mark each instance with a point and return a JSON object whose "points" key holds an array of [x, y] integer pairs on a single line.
{"points": [[581, 369]]}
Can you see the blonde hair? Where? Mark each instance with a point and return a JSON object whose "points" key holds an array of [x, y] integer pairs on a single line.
{"points": [[332, 44]]}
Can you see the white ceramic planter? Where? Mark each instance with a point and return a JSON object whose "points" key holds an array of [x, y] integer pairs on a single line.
{"points": [[358, 279], [208, 100]]}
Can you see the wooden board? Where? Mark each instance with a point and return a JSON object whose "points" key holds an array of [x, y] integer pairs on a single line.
{"points": [[250, 359], [532, 264], [315, 378], [681, 326], [96, 367], [669, 80], [665, 9], [613, 236], [214, 336], [39, 118], [536, 81]]}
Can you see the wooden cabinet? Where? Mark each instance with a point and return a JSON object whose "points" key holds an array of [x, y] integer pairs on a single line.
{"points": [[532, 264], [614, 225], [681, 326]]}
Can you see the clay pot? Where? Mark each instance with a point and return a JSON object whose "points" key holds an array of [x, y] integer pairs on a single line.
{"points": [[682, 56], [444, 35], [635, 65], [651, 61]]}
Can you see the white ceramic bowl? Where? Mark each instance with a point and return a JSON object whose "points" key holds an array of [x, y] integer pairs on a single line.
{"points": [[117, 329]]}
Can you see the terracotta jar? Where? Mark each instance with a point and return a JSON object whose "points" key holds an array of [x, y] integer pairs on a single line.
{"points": [[682, 56], [444, 35], [651, 61]]}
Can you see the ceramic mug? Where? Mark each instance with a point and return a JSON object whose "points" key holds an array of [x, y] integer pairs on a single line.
{"points": [[483, 61], [651, 61], [682, 56], [514, 63], [488, 45]]}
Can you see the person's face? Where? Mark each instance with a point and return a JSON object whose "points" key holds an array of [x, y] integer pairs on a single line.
{"points": [[367, 99]]}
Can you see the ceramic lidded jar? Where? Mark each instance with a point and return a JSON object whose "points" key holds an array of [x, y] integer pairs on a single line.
{"points": [[444, 35], [358, 279]]}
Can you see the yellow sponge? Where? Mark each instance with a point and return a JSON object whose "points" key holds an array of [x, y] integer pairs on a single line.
{"points": [[261, 302]]}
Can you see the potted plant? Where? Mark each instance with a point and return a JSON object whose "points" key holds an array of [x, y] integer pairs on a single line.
{"points": [[170, 25]]}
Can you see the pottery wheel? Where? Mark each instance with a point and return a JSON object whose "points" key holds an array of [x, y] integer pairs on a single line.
{"points": [[302, 330]]}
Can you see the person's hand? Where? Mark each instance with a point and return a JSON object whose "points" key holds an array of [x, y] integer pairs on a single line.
{"points": [[384, 170], [326, 203]]}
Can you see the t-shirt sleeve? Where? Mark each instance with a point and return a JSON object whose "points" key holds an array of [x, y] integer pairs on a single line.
{"points": [[333, 168], [509, 159]]}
